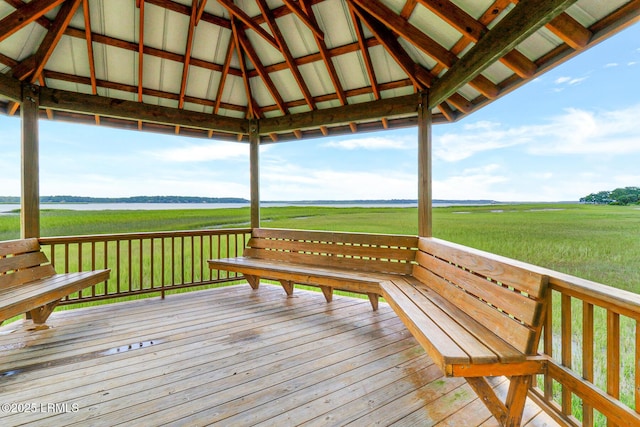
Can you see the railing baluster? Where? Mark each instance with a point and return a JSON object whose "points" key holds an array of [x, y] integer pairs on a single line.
{"points": [[548, 344], [152, 270], [637, 368], [566, 348], [613, 356], [587, 358]]}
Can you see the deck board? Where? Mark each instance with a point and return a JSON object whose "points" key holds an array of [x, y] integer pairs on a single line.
{"points": [[231, 356]]}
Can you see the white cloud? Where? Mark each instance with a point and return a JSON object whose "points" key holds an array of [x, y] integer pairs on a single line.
{"points": [[631, 63], [291, 182], [611, 64], [574, 132], [570, 81], [204, 152], [372, 143]]}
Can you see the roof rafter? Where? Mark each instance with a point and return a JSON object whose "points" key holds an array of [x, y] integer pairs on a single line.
{"points": [[420, 76], [92, 65], [288, 57], [306, 6], [26, 14], [187, 55], [526, 18], [255, 60], [246, 20], [310, 23], [251, 113], [417, 38], [364, 50], [223, 77]]}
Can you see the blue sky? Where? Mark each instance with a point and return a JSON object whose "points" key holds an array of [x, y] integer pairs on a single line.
{"points": [[573, 131]]}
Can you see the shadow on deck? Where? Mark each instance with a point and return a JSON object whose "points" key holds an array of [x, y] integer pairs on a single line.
{"points": [[234, 357]]}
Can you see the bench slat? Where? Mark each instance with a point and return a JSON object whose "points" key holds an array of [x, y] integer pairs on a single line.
{"points": [[12, 247], [327, 261], [514, 332], [496, 267], [505, 352], [511, 302], [381, 253], [25, 260], [44, 291], [299, 273], [477, 351], [19, 277], [438, 345], [336, 237]]}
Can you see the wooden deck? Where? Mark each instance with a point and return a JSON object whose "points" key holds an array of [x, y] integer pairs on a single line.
{"points": [[234, 357]]}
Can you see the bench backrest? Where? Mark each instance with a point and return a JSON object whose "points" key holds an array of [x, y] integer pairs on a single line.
{"points": [[21, 261], [500, 293], [373, 253]]}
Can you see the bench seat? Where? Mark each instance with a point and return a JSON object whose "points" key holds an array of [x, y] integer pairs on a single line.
{"points": [[454, 340], [352, 262], [29, 284], [476, 314]]}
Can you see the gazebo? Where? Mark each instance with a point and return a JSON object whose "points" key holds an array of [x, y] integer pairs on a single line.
{"points": [[271, 71]]}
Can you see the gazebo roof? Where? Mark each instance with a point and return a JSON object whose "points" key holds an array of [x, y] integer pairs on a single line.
{"points": [[293, 68]]}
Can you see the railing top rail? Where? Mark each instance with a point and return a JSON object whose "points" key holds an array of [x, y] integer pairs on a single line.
{"points": [[142, 235]]}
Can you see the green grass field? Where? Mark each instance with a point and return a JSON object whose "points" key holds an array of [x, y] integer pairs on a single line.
{"points": [[599, 243]]}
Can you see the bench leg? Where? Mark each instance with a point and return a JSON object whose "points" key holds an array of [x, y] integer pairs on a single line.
{"points": [[516, 398], [288, 286], [254, 281], [41, 314], [508, 414], [373, 299], [327, 292]]}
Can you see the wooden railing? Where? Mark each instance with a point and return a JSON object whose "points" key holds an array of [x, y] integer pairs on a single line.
{"points": [[591, 338], [592, 341], [143, 263]]}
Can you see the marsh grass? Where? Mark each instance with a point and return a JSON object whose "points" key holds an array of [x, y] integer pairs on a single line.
{"points": [[599, 243]]}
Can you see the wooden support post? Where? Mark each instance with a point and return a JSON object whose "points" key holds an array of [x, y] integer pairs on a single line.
{"points": [[425, 163], [254, 141], [30, 193], [327, 292], [287, 285], [373, 299], [254, 281]]}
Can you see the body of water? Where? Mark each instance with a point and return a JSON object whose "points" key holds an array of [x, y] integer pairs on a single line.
{"points": [[9, 207]]}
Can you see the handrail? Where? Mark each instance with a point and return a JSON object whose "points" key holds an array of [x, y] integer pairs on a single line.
{"points": [[591, 337], [148, 262]]}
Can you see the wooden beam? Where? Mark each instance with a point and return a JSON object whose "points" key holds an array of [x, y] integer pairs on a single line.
{"points": [[246, 19], [10, 88], [526, 18], [187, 52], [311, 24], [425, 164], [456, 17], [25, 15], [266, 79], [30, 188], [223, 77], [364, 50], [324, 51], [420, 76], [254, 158], [344, 114], [286, 52], [250, 113], [130, 110], [404, 29], [34, 68]]}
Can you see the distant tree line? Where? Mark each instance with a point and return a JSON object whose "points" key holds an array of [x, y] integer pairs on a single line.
{"points": [[619, 196], [135, 199]]}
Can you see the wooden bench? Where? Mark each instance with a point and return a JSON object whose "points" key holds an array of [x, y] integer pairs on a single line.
{"points": [[351, 262], [477, 315], [29, 283]]}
